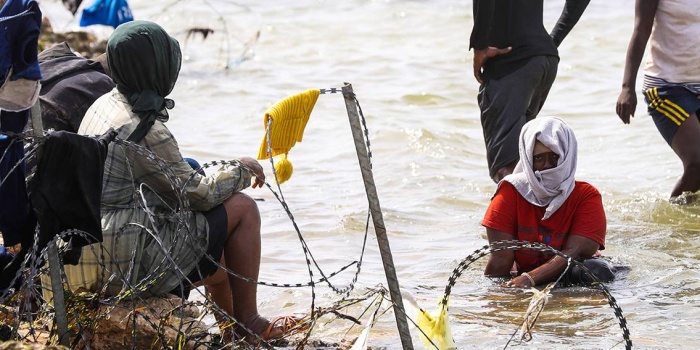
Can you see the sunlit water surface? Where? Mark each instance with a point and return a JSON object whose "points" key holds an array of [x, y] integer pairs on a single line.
{"points": [[410, 66]]}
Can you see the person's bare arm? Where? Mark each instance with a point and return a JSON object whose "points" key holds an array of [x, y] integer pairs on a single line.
{"points": [[577, 247], [645, 10], [500, 262]]}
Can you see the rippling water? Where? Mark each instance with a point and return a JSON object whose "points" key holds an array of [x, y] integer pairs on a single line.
{"points": [[410, 67]]}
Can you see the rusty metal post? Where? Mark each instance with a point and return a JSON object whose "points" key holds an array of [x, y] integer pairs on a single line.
{"points": [[377, 218], [54, 260]]}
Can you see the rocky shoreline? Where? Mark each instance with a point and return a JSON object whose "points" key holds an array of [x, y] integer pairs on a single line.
{"points": [[83, 42]]}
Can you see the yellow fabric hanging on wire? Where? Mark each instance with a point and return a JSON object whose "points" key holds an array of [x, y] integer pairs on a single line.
{"points": [[434, 327], [283, 169], [289, 117]]}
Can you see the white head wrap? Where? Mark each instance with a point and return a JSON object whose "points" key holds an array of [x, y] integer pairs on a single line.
{"points": [[549, 187]]}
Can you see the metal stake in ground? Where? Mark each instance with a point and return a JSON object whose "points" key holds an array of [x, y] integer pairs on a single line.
{"points": [[52, 252], [377, 218]]}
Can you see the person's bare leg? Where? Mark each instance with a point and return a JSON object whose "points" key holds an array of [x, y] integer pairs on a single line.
{"points": [[685, 145], [220, 292], [241, 256], [219, 289]]}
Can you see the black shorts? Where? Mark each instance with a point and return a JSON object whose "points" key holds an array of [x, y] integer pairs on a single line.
{"points": [[208, 264], [507, 103], [669, 107], [218, 222]]}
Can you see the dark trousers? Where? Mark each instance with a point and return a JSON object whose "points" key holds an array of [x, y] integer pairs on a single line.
{"points": [[507, 103]]}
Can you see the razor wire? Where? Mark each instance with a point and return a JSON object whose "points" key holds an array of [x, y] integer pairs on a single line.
{"points": [[545, 290], [309, 256], [534, 246], [516, 245], [33, 258], [248, 50], [307, 253]]}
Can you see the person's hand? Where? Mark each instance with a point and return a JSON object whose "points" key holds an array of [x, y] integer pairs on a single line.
{"points": [[519, 282], [483, 55], [626, 104], [257, 170]]}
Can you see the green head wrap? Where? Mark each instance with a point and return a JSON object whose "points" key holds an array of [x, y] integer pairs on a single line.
{"points": [[145, 62]]}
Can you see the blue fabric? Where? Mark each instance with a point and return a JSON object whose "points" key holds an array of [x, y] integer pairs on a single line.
{"points": [[195, 165], [107, 12], [5, 261], [21, 23], [5, 257], [14, 206]]}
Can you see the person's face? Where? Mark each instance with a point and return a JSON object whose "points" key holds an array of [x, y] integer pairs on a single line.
{"points": [[543, 158]]}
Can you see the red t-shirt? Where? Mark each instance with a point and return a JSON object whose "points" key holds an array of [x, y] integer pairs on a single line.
{"points": [[582, 214]]}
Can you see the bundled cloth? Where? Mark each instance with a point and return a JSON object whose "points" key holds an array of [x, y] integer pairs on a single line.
{"points": [[107, 12], [65, 194], [19, 68]]}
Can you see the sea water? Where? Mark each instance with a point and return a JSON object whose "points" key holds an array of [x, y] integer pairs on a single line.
{"points": [[411, 69]]}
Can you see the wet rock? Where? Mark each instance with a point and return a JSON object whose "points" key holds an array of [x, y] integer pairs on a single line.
{"points": [[85, 43], [156, 323], [16, 345]]}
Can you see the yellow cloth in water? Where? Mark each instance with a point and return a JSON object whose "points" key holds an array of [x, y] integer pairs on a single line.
{"points": [[289, 117], [436, 329]]}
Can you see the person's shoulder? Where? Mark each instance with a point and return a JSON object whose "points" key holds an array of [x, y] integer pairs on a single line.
{"points": [[585, 188], [58, 50], [112, 95], [112, 103], [584, 185], [503, 184], [506, 188]]}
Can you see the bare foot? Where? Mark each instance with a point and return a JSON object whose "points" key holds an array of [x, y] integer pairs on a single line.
{"points": [[685, 198], [258, 325], [266, 330]]}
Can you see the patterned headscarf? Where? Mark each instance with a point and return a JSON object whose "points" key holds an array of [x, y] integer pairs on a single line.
{"points": [[549, 187], [145, 63]]}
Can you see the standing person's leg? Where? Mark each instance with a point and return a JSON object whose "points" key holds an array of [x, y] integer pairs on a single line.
{"points": [[675, 114], [550, 66], [499, 125], [506, 104], [685, 144]]}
